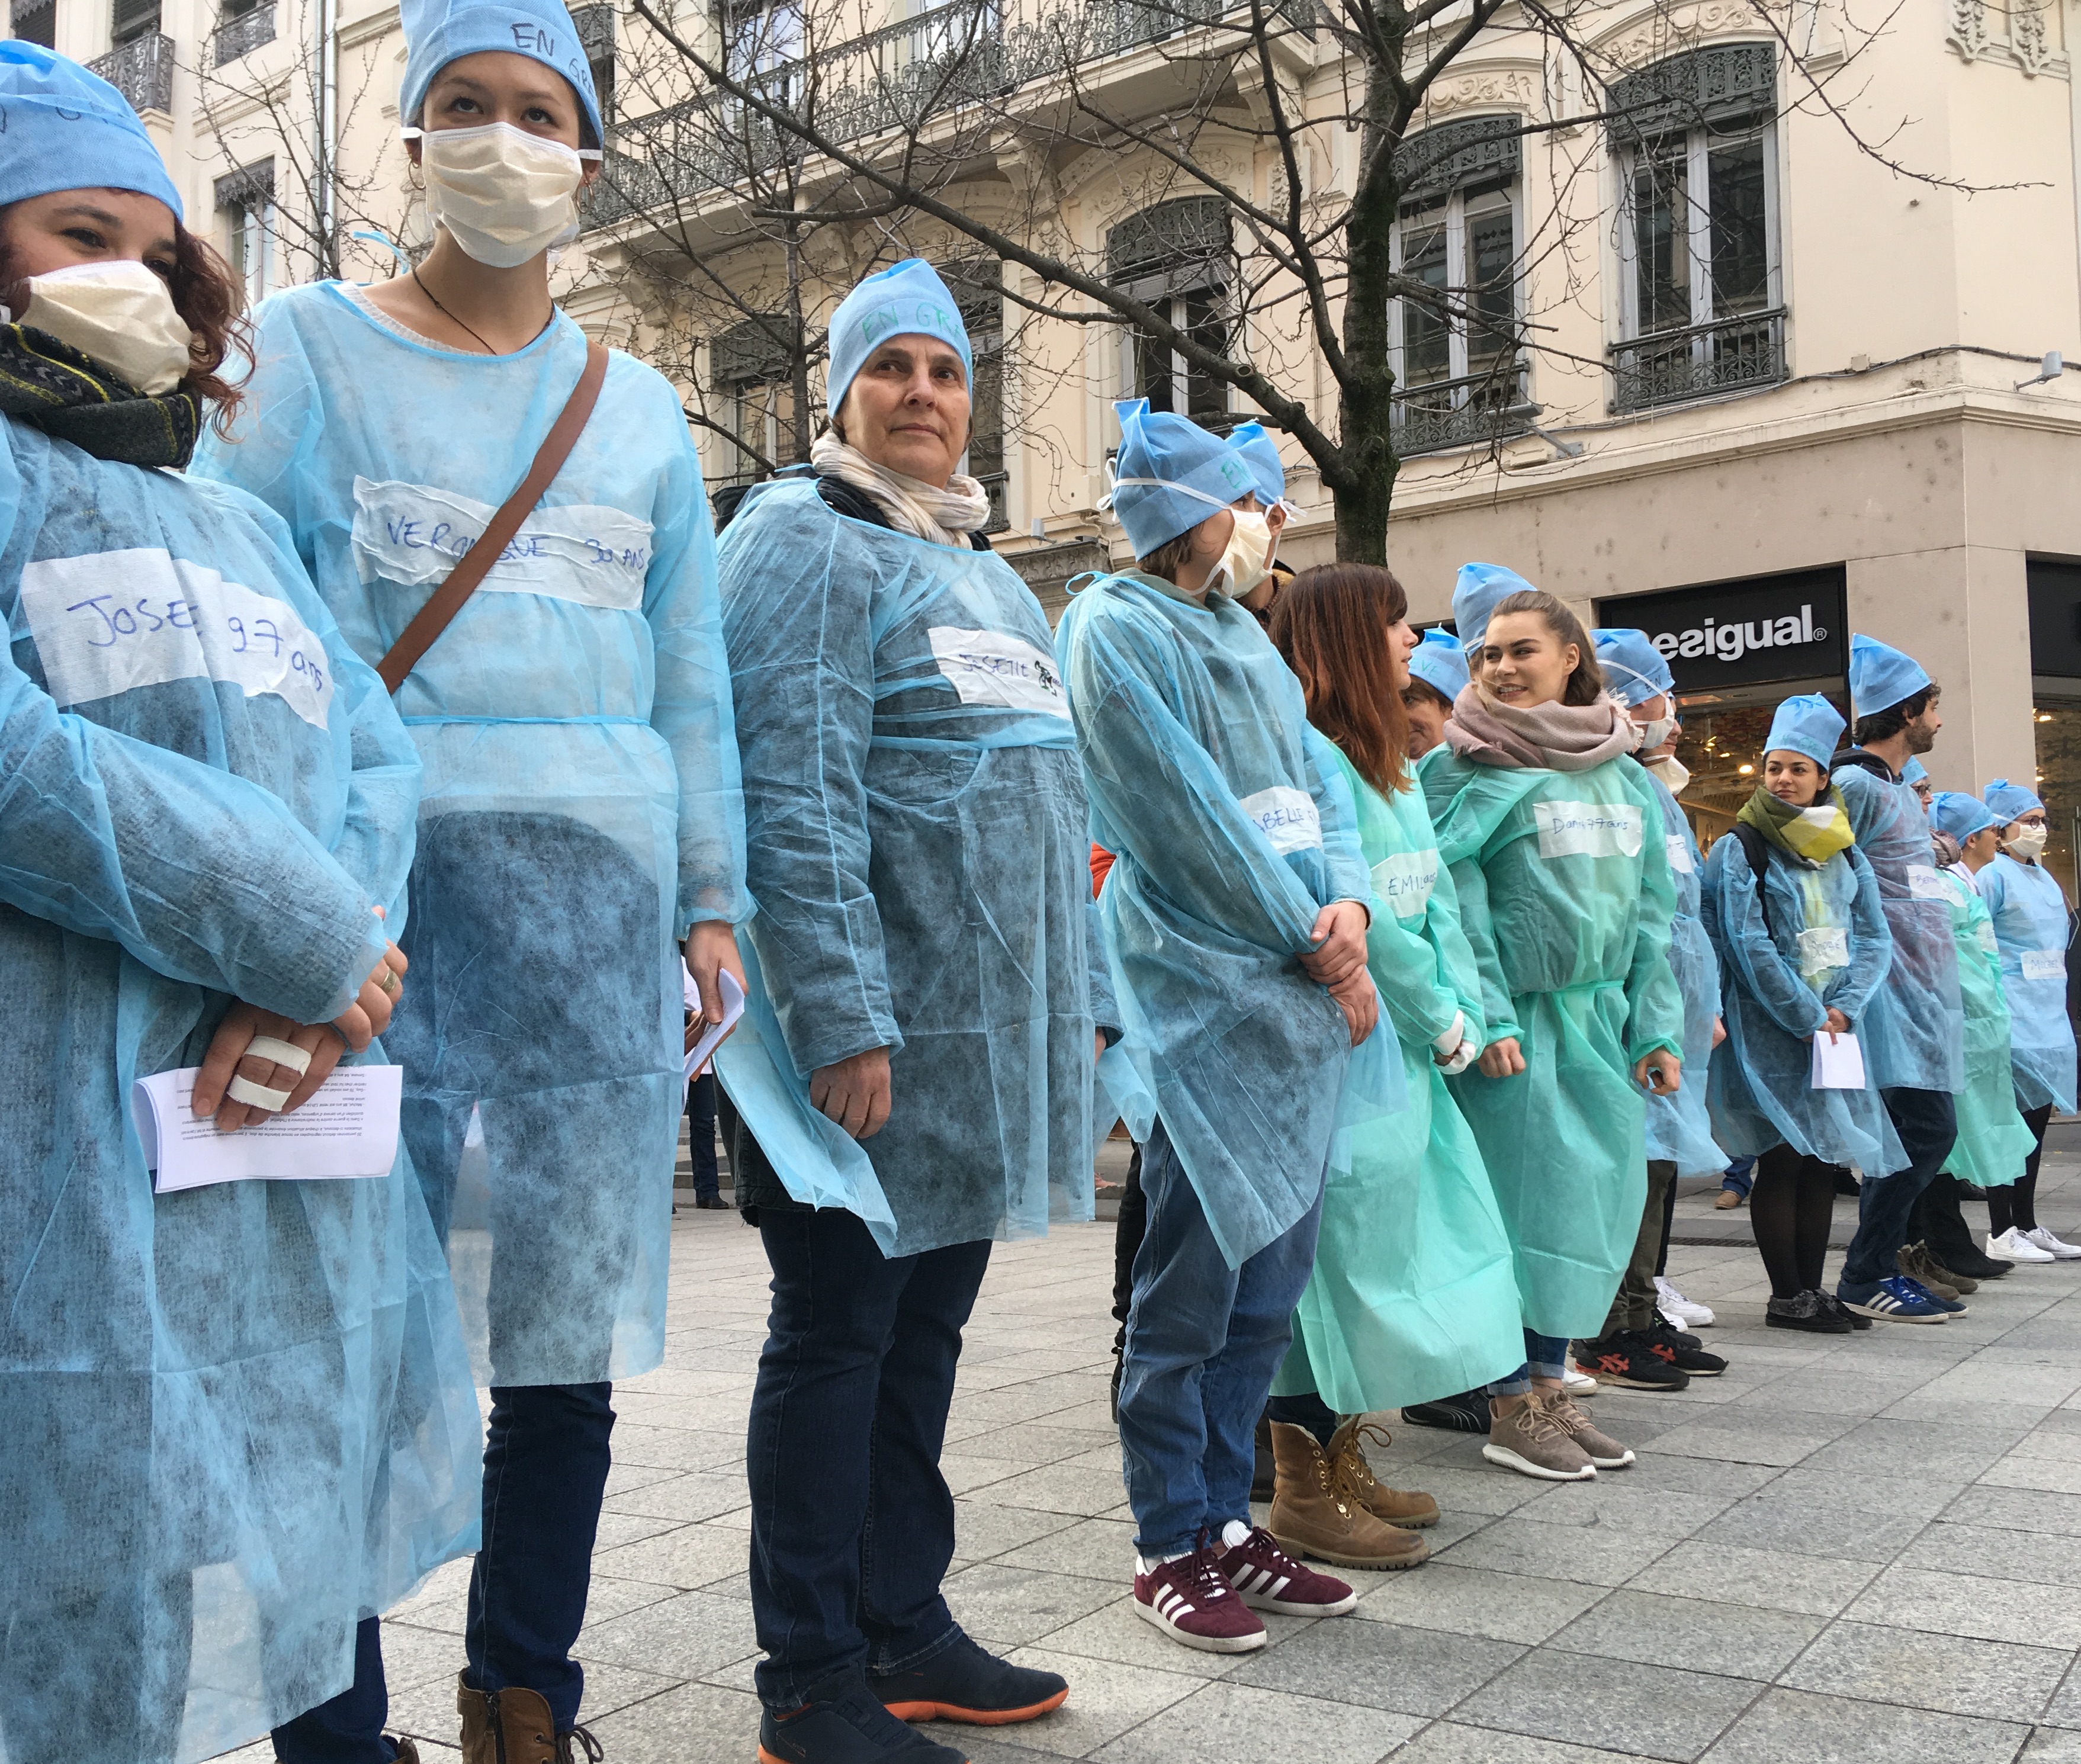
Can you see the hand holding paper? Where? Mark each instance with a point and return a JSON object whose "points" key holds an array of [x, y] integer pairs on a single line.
{"points": [[1839, 1062], [348, 1131], [699, 1051]]}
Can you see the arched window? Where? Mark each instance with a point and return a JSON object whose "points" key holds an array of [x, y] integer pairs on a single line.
{"points": [[1702, 307], [1459, 378], [1176, 257]]}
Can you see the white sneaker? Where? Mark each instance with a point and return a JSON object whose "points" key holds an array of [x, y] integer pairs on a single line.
{"points": [[1578, 1383], [1682, 1313], [2045, 1240], [2012, 1246]]}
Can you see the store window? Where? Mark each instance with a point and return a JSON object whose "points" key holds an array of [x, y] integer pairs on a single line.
{"points": [[1737, 649], [2055, 669], [1177, 258]]}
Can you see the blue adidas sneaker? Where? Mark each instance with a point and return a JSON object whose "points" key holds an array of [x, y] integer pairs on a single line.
{"points": [[1949, 1307], [1895, 1300]]}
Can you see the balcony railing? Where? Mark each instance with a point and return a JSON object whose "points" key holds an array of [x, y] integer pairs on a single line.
{"points": [[1470, 412], [242, 36], [1674, 367], [142, 70], [904, 76]]}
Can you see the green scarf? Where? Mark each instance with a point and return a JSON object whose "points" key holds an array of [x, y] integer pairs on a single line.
{"points": [[1812, 835], [72, 398]]}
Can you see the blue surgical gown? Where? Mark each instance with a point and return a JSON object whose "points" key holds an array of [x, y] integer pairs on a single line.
{"points": [[236, 1419], [1913, 1033], [1679, 1128], [2032, 929], [1564, 895], [1233, 828], [581, 807], [1827, 944], [918, 856]]}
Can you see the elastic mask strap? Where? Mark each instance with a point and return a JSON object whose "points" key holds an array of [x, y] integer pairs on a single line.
{"points": [[413, 132]]}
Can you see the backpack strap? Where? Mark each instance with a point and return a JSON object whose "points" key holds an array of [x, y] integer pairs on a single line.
{"points": [[1757, 852]]}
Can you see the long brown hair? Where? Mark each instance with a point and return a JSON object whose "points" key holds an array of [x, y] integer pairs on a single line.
{"points": [[1334, 625], [1586, 685], [212, 304]]}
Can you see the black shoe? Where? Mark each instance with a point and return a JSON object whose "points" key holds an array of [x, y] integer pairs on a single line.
{"points": [[842, 1722], [1686, 1352], [1846, 1183], [711, 1202], [1631, 1359], [1466, 1412], [1975, 1264], [1810, 1311], [1857, 1319], [1263, 1472], [963, 1682]]}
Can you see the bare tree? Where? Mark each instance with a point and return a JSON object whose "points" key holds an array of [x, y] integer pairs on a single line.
{"points": [[1217, 283]]}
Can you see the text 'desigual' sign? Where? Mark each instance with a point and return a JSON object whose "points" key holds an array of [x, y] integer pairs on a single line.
{"points": [[1742, 633]]}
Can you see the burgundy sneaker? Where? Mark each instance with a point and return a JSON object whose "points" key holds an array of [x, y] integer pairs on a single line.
{"points": [[1268, 1579], [1191, 1601]]}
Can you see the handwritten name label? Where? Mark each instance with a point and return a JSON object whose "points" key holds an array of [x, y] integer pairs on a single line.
{"points": [[1287, 818], [1924, 884], [1822, 947], [1679, 853], [110, 622], [1403, 881], [2045, 964], [413, 534], [993, 668], [1587, 830]]}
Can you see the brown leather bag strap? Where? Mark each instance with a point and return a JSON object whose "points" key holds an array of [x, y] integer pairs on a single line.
{"points": [[431, 619]]}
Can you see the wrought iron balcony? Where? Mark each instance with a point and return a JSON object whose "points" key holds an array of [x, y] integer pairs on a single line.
{"points": [[242, 34], [1674, 367], [142, 70], [1466, 412]]}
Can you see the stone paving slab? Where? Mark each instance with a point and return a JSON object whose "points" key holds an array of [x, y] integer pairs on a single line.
{"points": [[1846, 1548]]}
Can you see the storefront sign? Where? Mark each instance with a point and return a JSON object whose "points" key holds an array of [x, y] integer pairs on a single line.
{"points": [[1742, 633]]}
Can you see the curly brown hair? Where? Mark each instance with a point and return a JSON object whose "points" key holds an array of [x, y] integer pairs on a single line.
{"points": [[212, 304], [1334, 625]]}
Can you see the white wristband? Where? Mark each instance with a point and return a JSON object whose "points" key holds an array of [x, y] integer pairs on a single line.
{"points": [[258, 1096], [281, 1052]]}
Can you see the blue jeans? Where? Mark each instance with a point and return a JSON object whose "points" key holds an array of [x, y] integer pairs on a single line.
{"points": [[1545, 1356], [1204, 1341], [546, 1465], [1739, 1177], [1928, 1124], [852, 1524], [701, 1136]]}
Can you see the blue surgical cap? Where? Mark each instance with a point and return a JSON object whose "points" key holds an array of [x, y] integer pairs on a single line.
{"points": [[906, 300], [1955, 813], [1261, 452], [1477, 593], [1881, 677], [439, 32], [64, 129], [1441, 664], [1914, 771], [1171, 475], [1633, 667], [2010, 801], [1807, 724]]}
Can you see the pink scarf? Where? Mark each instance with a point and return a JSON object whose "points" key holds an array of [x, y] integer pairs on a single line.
{"points": [[1555, 736]]}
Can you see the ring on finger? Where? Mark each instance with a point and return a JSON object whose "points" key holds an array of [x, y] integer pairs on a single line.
{"points": [[389, 983]]}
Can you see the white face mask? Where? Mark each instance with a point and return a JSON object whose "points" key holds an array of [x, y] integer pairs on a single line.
{"points": [[1654, 734], [1674, 774], [119, 312], [2029, 843], [1246, 560], [504, 196]]}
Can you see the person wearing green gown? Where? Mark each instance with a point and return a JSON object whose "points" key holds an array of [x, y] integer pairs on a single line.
{"points": [[1414, 1292], [1554, 840]]}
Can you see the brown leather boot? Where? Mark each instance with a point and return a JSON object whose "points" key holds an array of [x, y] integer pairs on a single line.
{"points": [[1397, 1506], [406, 1753], [1316, 1512], [513, 1727]]}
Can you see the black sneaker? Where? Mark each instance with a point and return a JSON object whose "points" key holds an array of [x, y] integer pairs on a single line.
{"points": [[1630, 1358], [1466, 1412], [1858, 1321], [842, 1722], [1810, 1311], [1975, 1265], [1685, 1352], [963, 1682]]}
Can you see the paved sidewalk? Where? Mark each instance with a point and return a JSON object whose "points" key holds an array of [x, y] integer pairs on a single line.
{"points": [[1865, 1547]]}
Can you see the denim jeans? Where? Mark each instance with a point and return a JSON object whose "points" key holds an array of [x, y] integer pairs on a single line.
{"points": [[1740, 1176], [1204, 1341], [852, 1524], [1928, 1124], [1545, 1356], [546, 1465], [701, 1136]]}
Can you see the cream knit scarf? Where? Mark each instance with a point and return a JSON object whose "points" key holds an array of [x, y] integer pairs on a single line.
{"points": [[941, 517]]}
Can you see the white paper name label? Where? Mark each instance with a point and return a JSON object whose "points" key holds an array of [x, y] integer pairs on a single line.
{"points": [[412, 533], [1924, 884], [1402, 880], [1587, 830], [989, 667], [1985, 934], [1287, 818], [112, 621], [1679, 853], [2045, 964], [1822, 947]]}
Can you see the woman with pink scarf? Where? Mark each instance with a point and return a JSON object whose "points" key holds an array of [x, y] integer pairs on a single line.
{"points": [[1555, 843]]}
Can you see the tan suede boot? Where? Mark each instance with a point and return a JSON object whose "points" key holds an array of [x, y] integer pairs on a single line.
{"points": [[1397, 1506], [1315, 1512], [513, 1727]]}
